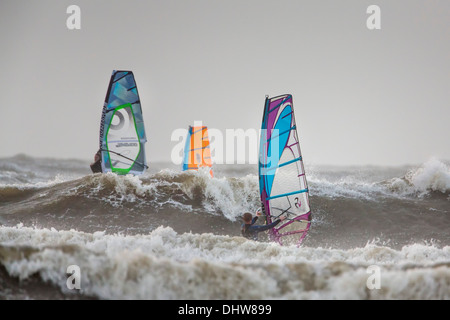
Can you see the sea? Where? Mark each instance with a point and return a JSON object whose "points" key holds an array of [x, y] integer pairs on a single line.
{"points": [[65, 233]]}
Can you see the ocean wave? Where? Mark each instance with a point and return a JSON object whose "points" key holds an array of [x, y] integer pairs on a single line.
{"points": [[433, 177], [228, 196], [347, 187], [189, 191], [25, 171], [168, 265]]}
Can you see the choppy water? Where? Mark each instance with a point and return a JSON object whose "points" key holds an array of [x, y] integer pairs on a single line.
{"points": [[174, 235]]}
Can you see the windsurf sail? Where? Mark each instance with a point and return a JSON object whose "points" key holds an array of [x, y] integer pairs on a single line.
{"points": [[122, 131], [197, 151], [282, 179]]}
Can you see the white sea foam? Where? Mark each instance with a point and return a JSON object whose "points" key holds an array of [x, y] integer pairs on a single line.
{"points": [[230, 196], [219, 195], [433, 175], [347, 187], [167, 265]]}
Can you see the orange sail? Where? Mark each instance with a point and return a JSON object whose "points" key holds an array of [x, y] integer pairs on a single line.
{"points": [[197, 151]]}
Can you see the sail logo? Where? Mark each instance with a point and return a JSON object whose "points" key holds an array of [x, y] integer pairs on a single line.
{"points": [[127, 144]]}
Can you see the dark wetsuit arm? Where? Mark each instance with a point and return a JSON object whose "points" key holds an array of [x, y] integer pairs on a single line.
{"points": [[266, 227]]}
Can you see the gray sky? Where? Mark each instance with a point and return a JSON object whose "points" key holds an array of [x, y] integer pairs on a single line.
{"points": [[361, 96]]}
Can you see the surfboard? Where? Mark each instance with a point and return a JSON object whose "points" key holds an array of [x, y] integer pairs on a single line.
{"points": [[282, 179], [122, 130], [197, 151]]}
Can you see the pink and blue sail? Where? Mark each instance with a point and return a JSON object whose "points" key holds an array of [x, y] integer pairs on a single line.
{"points": [[282, 179]]}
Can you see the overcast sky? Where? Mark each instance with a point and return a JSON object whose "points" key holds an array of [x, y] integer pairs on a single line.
{"points": [[361, 96]]}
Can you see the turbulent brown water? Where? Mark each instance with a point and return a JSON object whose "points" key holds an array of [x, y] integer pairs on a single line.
{"points": [[174, 235]]}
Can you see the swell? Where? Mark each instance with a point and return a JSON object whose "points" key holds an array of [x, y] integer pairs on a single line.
{"points": [[229, 196], [347, 212], [431, 179], [165, 189], [11, 194]]}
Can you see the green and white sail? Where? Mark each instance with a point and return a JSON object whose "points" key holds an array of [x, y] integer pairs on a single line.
{"points": [[122, 131]]}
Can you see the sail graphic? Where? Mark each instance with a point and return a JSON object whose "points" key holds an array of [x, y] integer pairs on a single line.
{"points": [[122, 131], [197, 151], [282, 179]]}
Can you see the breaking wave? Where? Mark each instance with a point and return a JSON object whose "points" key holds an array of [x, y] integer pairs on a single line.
{"points": [[431, 177], [227, 196], [168, 265]]}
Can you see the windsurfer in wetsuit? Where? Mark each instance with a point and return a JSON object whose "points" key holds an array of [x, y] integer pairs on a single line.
{"points": [[250, 230], [96, 166]]}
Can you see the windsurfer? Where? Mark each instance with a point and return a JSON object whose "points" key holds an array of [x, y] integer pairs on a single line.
{"points": [[96, 166], [250, 230]]}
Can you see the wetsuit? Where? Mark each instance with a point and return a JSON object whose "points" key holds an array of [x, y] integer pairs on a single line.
{"points": [[97, 165], [250, 231]]}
